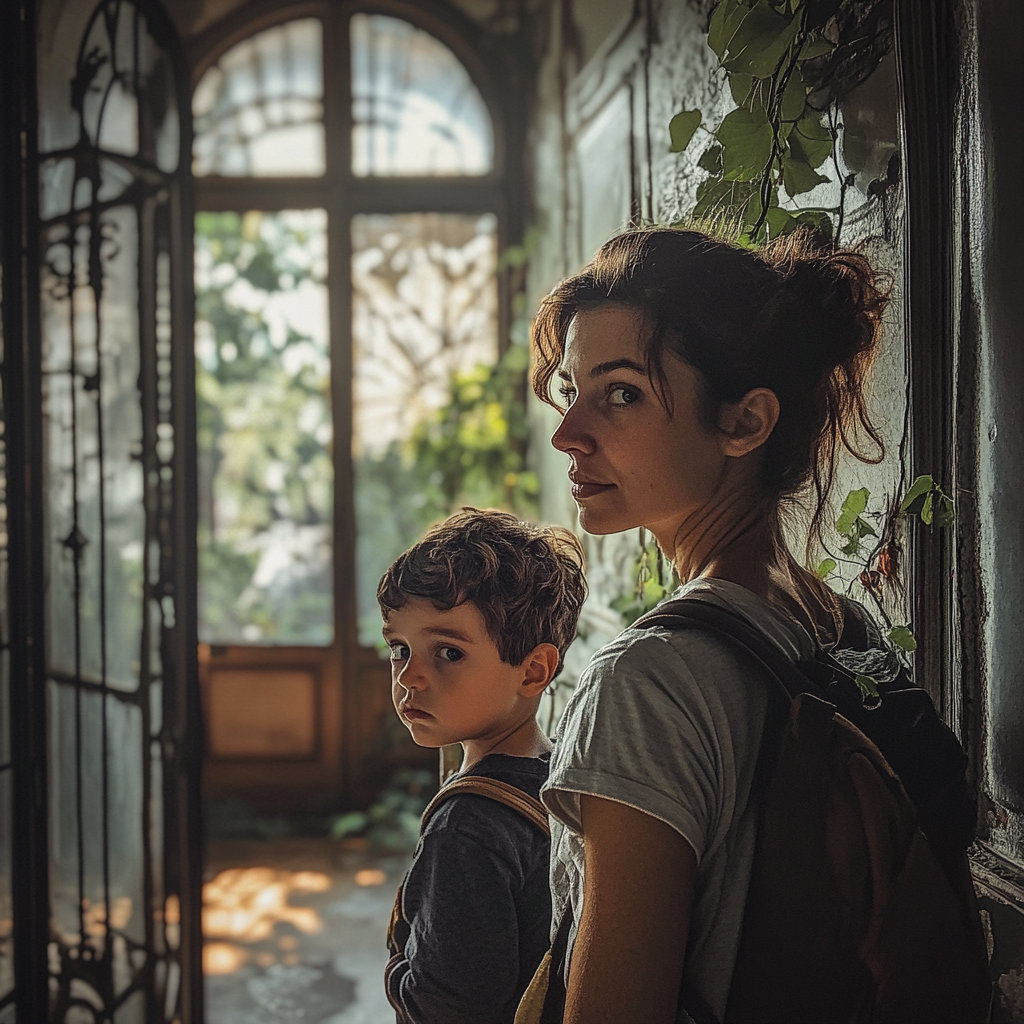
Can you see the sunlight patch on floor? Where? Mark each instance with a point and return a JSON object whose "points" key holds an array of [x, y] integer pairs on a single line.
{"points": [[295, 931]]}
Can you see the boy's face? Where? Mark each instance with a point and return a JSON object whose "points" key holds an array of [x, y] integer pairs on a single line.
{"points": [[448, 683]]}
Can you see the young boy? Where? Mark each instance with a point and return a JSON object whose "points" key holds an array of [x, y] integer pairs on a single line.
{"points": [[478, 616]]}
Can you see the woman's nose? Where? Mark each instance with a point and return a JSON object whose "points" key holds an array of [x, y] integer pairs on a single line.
{"points": [[571, 434]]}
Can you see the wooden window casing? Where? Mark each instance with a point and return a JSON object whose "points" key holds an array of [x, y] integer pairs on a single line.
{"points": [[354, 692]]}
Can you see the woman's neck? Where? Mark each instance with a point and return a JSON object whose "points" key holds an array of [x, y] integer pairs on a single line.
{"points": [[729, 537], [737, 538]]}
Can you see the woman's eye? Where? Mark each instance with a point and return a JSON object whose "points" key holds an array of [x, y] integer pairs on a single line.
{"points": [[568, 393], [450, 654], [399, 652], [623, 396]]}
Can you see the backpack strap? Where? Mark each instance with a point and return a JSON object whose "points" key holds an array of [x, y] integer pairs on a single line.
{"points": [[502, 792], [692, 613], [784, 678]]}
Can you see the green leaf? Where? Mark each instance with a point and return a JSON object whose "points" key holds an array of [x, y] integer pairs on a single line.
{"points": [[681, 129], [741, 87], [798, 177], [901, 637], [751, 215], [857, 532], [853, 505], [711, 160], [780, 222], [794, 99], [811, 141], [817, 219], [728, 17], [926, 509], [825, 568], [758, 44], [716, 196], [746, 140], [914, 498], [867, 686]]}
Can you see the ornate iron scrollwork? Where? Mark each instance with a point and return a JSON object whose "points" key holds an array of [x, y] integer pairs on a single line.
{"points": [[116, 360]]}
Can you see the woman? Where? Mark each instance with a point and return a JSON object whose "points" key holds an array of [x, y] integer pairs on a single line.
{"points": [[706, 389]]}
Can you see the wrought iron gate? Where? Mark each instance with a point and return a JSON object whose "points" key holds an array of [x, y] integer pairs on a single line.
{"points": [[104, 710]]}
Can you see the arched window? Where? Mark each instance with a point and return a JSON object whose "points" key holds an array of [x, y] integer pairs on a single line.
{"points": [[349, 214]]}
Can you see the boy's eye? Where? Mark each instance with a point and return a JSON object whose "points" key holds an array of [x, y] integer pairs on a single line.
{"points": [[399, 652], [620, 395], [450, 654]]}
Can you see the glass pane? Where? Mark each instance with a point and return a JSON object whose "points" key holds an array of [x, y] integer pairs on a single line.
{"points": [[259, 110], [96, 865], [110, 299], [265, 472], [424, 310], [414, 107], [94, 436], [122, 96]]}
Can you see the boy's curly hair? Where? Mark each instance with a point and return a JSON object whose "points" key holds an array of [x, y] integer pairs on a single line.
{"points": [[527, 581]]}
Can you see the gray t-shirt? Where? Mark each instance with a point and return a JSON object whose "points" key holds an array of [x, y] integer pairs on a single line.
{"points": [[669, 722]]}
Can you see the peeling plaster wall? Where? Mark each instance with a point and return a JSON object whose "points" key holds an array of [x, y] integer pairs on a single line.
{"points": [[600, 158]]}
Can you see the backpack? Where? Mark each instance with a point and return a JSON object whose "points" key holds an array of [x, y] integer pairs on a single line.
{"points": [[860, 908], [504, 793]]}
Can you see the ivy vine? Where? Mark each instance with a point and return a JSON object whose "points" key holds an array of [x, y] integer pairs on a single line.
{"points": [[878, 568], [788, 64], [874, 568]]}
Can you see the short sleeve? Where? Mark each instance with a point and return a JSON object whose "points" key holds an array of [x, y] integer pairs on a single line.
{"points": [[666, 723]]}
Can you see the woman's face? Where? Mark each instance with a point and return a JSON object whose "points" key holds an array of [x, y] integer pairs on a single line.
{"points": [[631, 464]]}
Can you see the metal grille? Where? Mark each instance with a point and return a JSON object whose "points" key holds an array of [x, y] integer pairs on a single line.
{"points": [[116, 361]]}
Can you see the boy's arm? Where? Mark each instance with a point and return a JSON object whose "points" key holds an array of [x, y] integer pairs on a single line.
{"points": [[461, 959]]}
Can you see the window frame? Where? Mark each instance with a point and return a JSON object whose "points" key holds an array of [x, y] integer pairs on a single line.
{"points": [[343, 195], [949, 576]]}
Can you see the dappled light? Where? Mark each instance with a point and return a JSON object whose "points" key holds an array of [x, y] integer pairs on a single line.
{"points": [[370, 876], [247, 903], [294, 929]]}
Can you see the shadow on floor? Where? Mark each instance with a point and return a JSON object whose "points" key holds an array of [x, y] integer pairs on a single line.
{"points": [[295, 931]]}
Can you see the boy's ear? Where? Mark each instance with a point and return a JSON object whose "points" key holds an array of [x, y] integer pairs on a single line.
{"points": [[539, 669]]}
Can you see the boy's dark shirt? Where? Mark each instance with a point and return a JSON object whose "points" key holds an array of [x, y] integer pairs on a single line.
{"points": [[478, 906]]}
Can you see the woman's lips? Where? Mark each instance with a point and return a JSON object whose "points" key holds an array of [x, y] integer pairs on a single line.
{"points": [[414, 714], [585, 489]]}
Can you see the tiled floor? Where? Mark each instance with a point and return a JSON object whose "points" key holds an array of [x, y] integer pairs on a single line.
{"points": [[295, 932]]}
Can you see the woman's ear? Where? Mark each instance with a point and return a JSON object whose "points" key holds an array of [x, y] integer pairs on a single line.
{"points": [[539, 668], [748, 423]]}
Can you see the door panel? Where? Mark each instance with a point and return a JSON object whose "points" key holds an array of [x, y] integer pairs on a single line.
{"points": [[118, 488]]}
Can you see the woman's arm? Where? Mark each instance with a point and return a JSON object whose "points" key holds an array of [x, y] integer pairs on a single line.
{"points": [[627, 962]]}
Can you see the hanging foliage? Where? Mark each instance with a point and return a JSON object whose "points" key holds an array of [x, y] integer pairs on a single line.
{"points": [[788, 64]]}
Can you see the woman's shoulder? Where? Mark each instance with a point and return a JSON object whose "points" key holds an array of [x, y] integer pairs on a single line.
{"points": [[690, 660]]}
